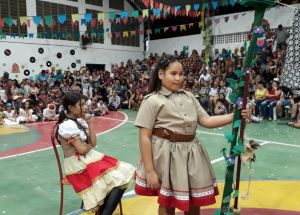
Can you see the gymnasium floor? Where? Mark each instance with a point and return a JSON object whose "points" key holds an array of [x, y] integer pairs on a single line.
{"points": [[29, 182]]}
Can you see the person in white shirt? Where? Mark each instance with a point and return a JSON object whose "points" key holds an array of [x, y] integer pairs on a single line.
{"points": [[114, 102], [9, 114], [49, 113]]}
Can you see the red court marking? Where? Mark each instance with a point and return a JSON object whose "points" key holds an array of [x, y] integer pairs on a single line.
{"points": [[252, 211], [45, 129]]}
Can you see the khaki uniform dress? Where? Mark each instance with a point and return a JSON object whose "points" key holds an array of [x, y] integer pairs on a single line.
{"points": [[183, 168]]}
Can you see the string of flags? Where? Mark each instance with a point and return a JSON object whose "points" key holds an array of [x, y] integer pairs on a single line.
{"points": [[100, 33]]}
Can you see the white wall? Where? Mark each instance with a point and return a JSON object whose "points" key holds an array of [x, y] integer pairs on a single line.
{"points": [[275, 16], [23, 49]]}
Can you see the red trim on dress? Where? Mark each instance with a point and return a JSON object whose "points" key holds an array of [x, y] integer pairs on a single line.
{"points": [[83, 180]]}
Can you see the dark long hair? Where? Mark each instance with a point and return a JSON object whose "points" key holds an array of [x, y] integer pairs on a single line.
{"points": [[70, 98], [163, 64]]}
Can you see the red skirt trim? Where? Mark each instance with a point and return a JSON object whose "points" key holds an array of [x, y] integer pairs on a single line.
{"points": [[167, 198], [84, 179]]}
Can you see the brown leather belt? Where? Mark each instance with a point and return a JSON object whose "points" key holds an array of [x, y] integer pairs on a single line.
{"points": [[169, 135]]}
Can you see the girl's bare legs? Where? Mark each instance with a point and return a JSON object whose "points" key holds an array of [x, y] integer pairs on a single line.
{"points": [[193, 211], [166, 210]]}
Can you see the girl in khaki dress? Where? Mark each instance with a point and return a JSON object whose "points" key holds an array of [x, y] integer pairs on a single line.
{"points": [[174, 164]]}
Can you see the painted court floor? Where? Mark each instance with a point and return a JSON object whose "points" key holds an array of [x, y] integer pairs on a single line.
{"points": [[30, 183]]}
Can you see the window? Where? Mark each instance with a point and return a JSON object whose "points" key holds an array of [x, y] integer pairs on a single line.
{"points": [[116, 4], [13, 9], [94, 2], [97, 32], [58, 31], [131, 26]]}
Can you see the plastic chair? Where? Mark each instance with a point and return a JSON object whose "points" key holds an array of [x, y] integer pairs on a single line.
{"points": [[62, 180]]}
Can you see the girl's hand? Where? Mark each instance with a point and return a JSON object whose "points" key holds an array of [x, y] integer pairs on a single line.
{"points": [[88, 118], [152, 180]]}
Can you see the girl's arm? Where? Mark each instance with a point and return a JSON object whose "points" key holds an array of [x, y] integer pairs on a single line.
{"points": [[80, 147], [92, 133], [216, 121]]}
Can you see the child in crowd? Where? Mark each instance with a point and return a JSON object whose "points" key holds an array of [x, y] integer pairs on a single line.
{"points": [[220, 108], [9, 113], [26, 113], [49, 113]]}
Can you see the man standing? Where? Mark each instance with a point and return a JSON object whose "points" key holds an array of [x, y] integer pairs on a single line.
{"points": [[280, 37]]}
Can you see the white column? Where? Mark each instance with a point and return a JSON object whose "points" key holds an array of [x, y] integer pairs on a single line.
{"points": [[31, 11], [106, 24], [81, 11]]}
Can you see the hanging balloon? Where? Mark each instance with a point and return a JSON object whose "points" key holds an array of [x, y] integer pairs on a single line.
{"points": [[32, 59], [59, 55], [26, 72], [72, 51], [41, 50], [73, 65], [48, 63], [7, 52]]}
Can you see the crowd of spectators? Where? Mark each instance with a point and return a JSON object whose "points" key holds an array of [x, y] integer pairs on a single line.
{"points": [[126, 85]]}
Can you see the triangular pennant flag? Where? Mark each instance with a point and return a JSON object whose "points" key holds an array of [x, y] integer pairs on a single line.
{"points": [[88, 17], [235, 16], [191, 25], [3, 36], [112, 15], [37, 20], [23, 20], [166, 29], [161, 6], [125, 20], [42, 23], [215, 5], [232, 2], [13, 35], [83, 22], [174, 28], [133, 33], [30, 35], [226, 18], [156, 12], [1, 22], [152, 17], [125, 34], [93, 35], [146, 3], [118, 19], [205, 5], [101, 17], [157, 31], [224, 3], [182, 28], [22, 36], [135, 14], [156, 5], [176, 8], [48, 20], [187, 9], [182, 12], [15, 22], [172, 10], [145, 13], [8, 21], [140, 18], [196, 6], [75, 17], [124, 14], [149, 31], [62, 18], [117, 34]]}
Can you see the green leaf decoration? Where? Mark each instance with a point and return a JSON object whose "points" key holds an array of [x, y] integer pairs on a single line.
{"points": [[217, 211], [231, 81], [233, 87], [253, 62], [228, 213], [237, 123], [233, 97], [235, 194], [227, 199], [238, 149], [241, 84], [239, 73], [228, 136], [240, 142]]}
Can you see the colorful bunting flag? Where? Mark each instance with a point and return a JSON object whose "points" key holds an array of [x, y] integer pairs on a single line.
{"points": [[101, 17], [157, 31], [88, 17], [166, 29], [8, 21], [75, 17], [62, 18], [135, 14], [145, 13], [124, 14], [37, 20], [125, 20], [187, 9], [1, 22], [224, 3], [215, 5], [232, 2], [117, 34], [15, 22], [23, 20], [174, 28], [140, 18], [125, 34], [196, 6], [182, 28], [48, 20], [226, 18], [133, 33]]}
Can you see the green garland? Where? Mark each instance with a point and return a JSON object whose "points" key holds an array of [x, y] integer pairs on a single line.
{"points": [[238, 87]]}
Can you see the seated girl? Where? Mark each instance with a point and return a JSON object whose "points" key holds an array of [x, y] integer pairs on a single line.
{"points": [[100, 180], [26, 113]]}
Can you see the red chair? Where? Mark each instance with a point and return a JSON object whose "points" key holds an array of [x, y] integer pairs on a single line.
{"points": [[62, 179]]}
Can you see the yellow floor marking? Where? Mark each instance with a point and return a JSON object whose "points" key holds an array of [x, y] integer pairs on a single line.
{"points": [[281, 195], [12, 129]]}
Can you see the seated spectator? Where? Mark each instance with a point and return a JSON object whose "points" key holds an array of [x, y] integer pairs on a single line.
{"points": [[220, 108], [26, 113], [49, 113], [261, 94], [9, 113], [1, 112], [286, 99], [114, 102], [103, 108]]}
